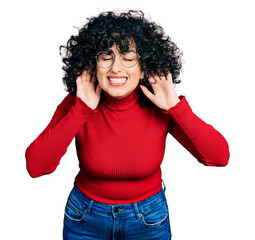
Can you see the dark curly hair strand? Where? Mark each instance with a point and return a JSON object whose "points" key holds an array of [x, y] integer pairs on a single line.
{"points": [[158, 54]]}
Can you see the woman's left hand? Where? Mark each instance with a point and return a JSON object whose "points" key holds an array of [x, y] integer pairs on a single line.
{"points": [[164, 95]]}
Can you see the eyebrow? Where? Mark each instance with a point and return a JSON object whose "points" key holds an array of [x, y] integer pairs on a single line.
{"points": [[111, 51]]}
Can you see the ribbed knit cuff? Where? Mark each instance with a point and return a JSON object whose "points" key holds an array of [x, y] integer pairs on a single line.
{"points": [[84, 108], [80, 110], [179, 109]]}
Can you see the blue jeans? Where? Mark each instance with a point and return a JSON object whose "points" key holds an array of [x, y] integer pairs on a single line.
{"points": [[86, 219]]}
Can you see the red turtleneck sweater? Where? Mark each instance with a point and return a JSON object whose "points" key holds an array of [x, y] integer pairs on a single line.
{"points": [[120, 145]]}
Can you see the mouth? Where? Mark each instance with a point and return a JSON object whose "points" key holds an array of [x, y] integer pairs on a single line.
{"points": [[117, 81]]}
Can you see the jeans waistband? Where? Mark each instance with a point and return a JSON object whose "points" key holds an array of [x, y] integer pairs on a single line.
{"points": [[119, 209]]}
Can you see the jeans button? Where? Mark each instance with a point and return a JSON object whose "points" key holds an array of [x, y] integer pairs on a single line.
{"points": [[116, 210]]}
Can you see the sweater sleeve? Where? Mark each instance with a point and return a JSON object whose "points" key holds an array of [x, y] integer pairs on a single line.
{"points": [[204, 142], [44, 153]]}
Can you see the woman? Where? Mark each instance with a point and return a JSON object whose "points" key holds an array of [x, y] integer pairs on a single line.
{"points": [[120, 72]]}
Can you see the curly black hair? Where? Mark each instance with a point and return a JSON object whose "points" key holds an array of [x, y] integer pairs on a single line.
{"points": [[158, 54]]}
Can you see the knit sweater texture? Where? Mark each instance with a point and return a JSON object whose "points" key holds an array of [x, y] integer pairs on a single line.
{"points": [[121, 144]]}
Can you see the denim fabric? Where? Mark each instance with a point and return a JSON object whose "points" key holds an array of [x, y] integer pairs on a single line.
{"points": [[86, 219]]}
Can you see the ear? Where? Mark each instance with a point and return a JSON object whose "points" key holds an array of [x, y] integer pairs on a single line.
{"points": [[142, 75], [95, 71]]}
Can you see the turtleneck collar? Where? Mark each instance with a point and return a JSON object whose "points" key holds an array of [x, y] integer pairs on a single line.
{"points": [[120, 104]]}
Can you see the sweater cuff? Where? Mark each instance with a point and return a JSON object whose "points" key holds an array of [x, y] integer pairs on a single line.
{"points": [[179, 109], [83, 107], [81, 111]]}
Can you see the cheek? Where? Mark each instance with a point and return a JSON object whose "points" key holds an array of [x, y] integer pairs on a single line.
{"points": [[137, 74], [100, 76]]}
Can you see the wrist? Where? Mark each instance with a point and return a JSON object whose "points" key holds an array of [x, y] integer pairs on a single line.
{"points": [[173, 103]]}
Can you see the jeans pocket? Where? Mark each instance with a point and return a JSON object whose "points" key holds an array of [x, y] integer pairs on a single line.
{"points": [[75, 210], [155, 215]]}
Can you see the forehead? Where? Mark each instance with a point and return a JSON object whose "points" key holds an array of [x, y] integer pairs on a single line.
{"points": [[117, 48], [121, 44]]}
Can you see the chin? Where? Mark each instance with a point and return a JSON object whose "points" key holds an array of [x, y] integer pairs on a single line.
{"points": [[118, 95]]}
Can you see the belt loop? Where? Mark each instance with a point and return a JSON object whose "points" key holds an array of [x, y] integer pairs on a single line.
{"points": [[90, 205], [136, 210], [164, 185]]}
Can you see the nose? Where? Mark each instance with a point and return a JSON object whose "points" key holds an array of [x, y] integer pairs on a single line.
{"points": [[116, 66]]}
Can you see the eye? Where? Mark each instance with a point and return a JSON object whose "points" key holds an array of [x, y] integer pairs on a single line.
{"points": [[126, 59], [105, 56], [106, 59], [129, 56]]}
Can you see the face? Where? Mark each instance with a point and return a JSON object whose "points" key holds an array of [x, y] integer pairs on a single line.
{"points": [[117, 71]]}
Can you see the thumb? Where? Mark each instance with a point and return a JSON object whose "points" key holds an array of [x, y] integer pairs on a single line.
{"points": [[147, 93], [98, 89]]}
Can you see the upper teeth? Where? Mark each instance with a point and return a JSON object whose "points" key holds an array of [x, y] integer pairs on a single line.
{"points": [[118, 80]]}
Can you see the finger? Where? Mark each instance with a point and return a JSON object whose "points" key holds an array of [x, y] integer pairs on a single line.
{"points": [[84, 72], [93, 77], [82, 77], [147, 93], [169, 77], [156, 77], [79, 78], [160, 76], [152, 80], [88, 75]]}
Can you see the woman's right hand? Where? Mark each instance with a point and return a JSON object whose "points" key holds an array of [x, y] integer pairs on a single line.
{"points": [[86, 88]]}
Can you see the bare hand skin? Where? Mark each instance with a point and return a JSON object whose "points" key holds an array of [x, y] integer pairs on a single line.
{"points": [[164, 95], [86, 89]]}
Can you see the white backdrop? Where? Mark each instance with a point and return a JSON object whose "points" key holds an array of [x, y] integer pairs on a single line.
{"points": [[217, 41]]}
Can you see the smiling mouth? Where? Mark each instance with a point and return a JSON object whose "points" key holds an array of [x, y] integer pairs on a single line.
{"points": [[116, 82]]}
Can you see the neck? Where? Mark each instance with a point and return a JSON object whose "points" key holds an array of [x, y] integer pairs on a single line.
{"points": [[120, 104]]}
